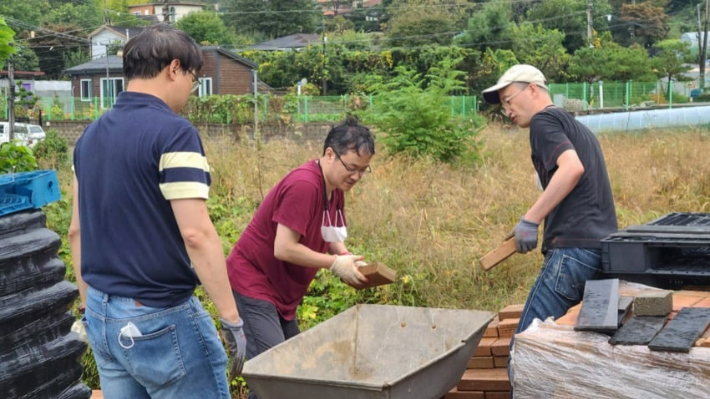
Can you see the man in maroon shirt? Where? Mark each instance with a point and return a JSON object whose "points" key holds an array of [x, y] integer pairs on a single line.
{"points": [[299, 228]]}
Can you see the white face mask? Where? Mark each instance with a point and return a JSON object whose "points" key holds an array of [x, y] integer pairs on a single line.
{"points": [[330, 232]]}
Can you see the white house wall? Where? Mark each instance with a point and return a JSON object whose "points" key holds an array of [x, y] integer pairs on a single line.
{"points": [[98, 48]]}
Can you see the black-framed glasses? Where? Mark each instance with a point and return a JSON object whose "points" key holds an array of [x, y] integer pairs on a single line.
{"points": [[195, 81], [352, 171]]}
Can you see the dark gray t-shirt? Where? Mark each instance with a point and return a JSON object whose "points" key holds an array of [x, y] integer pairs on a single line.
{"points": [[587, 214]]}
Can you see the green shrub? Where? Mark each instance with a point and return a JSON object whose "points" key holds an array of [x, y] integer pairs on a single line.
{"points": [[15, 157], [54, 149]]}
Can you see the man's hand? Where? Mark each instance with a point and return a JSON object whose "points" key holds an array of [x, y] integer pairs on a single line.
{"points": [[525, 235], [236, 342], [346, 268]]}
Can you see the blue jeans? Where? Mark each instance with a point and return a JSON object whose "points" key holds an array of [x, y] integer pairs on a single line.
{"points": [[172, 352], [559, 286]]}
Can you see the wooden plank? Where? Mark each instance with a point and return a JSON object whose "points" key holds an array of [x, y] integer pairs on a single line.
{"points": [[600, 306], [378, 274], [498, 255]]}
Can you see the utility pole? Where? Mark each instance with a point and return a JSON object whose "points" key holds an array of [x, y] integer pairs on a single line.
{"points": [[703, 45], [107, 94], [589, 23], [256, 103], [324, 84], [11, 102]]}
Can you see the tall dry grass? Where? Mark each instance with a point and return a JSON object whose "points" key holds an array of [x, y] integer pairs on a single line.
{"points": [[431, 222]]}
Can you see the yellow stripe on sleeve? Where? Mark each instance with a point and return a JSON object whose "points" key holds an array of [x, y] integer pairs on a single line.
{"points": [[182, 190], [183, 160]]}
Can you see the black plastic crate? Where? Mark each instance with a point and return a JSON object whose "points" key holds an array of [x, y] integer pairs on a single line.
{"points": [[669, 252]]}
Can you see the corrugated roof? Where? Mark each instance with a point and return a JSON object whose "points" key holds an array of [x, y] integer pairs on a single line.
{"points": [[115, 64]]}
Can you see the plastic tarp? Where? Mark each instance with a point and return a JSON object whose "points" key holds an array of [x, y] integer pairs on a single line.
{"points": [[554, 361]]}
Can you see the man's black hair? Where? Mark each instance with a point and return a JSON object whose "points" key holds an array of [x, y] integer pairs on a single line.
{"points": [[149, 52], [350, 135]]}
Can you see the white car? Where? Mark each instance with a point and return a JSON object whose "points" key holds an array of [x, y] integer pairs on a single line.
{"points": [[27, 134]]}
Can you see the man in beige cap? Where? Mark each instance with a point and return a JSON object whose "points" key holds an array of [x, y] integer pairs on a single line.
{"points": [[576, 203]]}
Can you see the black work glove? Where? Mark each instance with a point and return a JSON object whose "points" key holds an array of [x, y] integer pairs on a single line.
{"points": [[236, 342], [525, 235]]}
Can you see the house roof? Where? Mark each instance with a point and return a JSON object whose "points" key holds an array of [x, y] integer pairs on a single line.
{"points": [[171, 3], [296, 41], [22, 73], [115, 63], [231, 55], [119, 30]]}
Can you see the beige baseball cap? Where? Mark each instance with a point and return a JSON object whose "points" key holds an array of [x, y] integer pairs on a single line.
{"points": [[519, 73]]}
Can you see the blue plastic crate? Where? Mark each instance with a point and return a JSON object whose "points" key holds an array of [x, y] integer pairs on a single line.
{"points": [[37, 188]]}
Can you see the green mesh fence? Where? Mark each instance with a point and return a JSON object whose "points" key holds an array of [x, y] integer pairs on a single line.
{"points": [[597, 95]]}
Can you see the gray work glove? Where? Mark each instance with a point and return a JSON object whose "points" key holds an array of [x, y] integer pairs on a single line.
{"points": [[236, 342], [345, 267], [525, 235]]}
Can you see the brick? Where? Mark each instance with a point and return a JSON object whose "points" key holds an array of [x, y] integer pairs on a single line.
{"points": [[456, 394], [500, 361], [484, 347], [703, 342], [483, 362], [485, 380], [498, 395], [501, 347], [653, 303], [683, 301], [492, 329], [511, 312], [704, 303], [570, 318], [506, 328]]}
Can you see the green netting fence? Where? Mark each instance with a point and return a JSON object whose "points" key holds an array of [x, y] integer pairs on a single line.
{"points": [[598, 95]]}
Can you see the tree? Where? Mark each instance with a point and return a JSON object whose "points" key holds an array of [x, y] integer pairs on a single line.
{"points": [[670, 63], [26, 11], [646, 24], [339, 25], [273, 18], [7, 36], [26, 59], [610, 61], [206, 27], [542, 48], [569, 17], [88, 16], [55, 45], [421, 22], [488, 27]]}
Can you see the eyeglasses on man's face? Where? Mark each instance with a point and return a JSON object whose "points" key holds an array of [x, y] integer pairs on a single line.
{"points": [[506, 101], [351, 170], [195, 81]]}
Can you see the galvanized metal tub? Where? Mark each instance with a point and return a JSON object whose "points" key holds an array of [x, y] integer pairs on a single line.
{"points": [[372, 352]]}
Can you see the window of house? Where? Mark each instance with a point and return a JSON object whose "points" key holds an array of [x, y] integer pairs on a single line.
{"points": [[172, 14], [205, 87], [110, 90], [86, 90], [136, 13]]}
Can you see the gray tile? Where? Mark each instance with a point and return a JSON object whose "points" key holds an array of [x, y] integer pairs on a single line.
{"points": [[680, 334], [600, 306], [639, 330]]}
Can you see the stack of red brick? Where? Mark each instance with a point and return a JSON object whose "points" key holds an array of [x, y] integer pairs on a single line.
{"points": [[487, 374]]}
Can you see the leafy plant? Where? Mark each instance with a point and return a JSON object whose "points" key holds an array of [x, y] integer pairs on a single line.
{"points": [[53, 150], [416, 117], [15, 157]]}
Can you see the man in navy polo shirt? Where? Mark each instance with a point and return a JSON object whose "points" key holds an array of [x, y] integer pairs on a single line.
{"points": [[141, 236]]}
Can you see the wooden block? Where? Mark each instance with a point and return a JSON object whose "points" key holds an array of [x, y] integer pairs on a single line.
{"points": [[97, 394], [511, 312], [501, 347], [681, 301], [492, 329], [482, 362], [485, 380], [506, 328], [500, 361], [456, 394], [378, 274], [498, 395], [498, 255], [484, 347]]}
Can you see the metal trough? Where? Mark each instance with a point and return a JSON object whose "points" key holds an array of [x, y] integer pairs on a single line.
{"points": [[372, 352]]}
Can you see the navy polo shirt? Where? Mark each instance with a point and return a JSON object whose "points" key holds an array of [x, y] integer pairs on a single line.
{"points": [[129, 164]]}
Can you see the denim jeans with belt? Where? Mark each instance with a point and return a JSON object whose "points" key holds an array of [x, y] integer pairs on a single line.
{"points": [[560, 285], [145, 352]]}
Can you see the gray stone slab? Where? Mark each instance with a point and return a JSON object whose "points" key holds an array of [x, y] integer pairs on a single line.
{"points": [[624, 307], [600, 306], [680, 334], [639, 330]]}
